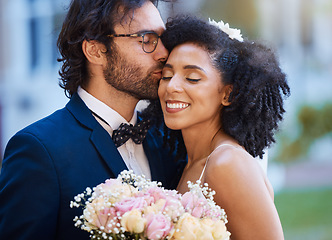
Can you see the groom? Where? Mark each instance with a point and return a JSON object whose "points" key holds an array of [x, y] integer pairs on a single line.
{"points": [[112, 58]]}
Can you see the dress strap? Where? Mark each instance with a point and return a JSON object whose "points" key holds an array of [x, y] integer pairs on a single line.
{"points": [[207, 159]]}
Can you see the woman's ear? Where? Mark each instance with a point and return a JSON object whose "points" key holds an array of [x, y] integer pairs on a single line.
{"points": [[225, 93], [94, 52]]}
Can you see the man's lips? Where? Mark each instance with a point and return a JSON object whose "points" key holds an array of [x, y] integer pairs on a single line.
{"points": [[157, 73]]}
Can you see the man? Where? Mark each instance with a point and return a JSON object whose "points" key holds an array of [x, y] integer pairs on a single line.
{"points": [[112, 58]]}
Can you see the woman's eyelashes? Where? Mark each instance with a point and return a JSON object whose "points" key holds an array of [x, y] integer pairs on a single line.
{"points": [[166, 75], [193, 79], [188, 79], [193, 76], [165, 78]]}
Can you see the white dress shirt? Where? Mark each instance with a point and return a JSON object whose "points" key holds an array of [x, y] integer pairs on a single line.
{"points": [[132, 154]]}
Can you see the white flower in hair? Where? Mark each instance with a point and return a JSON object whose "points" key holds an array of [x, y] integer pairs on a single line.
{"points": [[233, 33]]}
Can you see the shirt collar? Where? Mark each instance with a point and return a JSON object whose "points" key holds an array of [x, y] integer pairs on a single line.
{"points": [[113, 118]]}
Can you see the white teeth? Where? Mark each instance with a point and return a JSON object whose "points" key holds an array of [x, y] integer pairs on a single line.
{"points": [[177, 105]]}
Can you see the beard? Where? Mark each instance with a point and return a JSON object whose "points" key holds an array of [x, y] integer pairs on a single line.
{"points": [[130, 77]]}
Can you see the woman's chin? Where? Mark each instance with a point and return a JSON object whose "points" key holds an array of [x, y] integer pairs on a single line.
{"points": [[173, 125]]}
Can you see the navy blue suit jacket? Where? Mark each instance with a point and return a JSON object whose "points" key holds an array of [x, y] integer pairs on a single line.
{"points": [[49, 162]]}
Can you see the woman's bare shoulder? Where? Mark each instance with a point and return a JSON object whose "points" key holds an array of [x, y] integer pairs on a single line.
{"points": [[233, 164], [241, 189], [227, 157]]}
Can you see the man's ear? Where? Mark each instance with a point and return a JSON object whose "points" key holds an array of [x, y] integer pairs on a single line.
{"points": [[225, 93], [94, 52]]}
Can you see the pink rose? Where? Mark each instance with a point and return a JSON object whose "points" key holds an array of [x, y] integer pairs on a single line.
{"points": [[194, 204], [158, 226], [100, 217], [156, 193], [130, 203], [107, 218], [149, 199], [115, 190]]}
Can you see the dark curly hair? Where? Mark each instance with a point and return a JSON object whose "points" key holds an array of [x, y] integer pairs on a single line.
{"points": [[88, 20], [259, 85]]}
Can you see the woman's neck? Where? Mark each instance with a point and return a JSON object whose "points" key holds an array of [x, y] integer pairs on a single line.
{"points": [[200, 141]]}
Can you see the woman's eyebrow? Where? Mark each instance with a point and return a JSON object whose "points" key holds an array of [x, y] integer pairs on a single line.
{"points": [[167, 65], [194, 67]]}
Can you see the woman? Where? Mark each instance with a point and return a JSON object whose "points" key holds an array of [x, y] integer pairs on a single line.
{"points": [[225, 95]]}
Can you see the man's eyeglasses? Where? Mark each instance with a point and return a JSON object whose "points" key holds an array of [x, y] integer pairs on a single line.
{"points": [[149, 40]]}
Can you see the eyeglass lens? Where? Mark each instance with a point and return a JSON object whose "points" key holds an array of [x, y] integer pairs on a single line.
{"points": [[150, 41]]}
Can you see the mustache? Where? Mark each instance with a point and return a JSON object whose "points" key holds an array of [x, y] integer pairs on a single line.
{"points": [[158, 67]]}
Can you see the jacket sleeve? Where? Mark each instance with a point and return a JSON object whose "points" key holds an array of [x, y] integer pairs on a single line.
{"points": [[29, 190]]}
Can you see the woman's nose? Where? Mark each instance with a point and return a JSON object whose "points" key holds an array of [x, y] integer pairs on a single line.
{"points": [[174, 85]]}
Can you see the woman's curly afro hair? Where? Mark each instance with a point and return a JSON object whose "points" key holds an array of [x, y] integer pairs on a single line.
{"points": [[259, 85]]}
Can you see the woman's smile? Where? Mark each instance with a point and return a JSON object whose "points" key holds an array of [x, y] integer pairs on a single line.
{"points": [[175, 106]]}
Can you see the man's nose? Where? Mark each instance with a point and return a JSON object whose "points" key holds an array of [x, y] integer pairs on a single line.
{"points": [[161, 53]]}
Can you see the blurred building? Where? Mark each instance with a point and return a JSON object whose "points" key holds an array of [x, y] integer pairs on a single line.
{"points": [[302, 32], [28, 64], [300, 29]]}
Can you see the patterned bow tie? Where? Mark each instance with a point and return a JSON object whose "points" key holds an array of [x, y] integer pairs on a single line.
{"points": [[125, 131]]}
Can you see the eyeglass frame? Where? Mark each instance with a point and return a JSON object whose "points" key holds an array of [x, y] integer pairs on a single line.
{"points": [[135, 35]]}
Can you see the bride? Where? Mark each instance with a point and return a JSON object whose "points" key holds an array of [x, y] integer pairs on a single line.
{"points": [[222, 96]]}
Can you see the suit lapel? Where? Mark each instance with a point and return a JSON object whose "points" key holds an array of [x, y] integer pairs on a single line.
{"points": [[154, 156], [106, 148], [99, 136]]}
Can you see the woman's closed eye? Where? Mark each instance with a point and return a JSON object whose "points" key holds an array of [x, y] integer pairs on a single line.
{"points": [[165, 78], [166, 75], [193, 77]]}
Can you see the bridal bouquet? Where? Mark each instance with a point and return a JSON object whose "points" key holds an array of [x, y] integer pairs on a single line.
{"points": [[131, 207]]}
